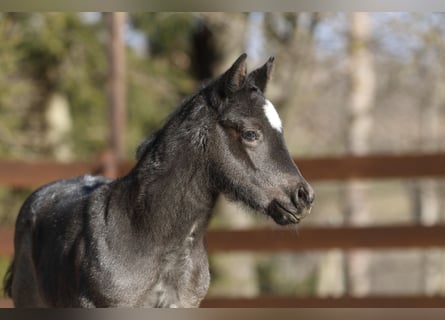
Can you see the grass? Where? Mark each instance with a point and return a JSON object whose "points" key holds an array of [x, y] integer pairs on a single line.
{"points": [[4, 263]]}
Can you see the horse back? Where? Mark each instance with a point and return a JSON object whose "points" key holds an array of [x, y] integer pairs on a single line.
{"points": [[49, 239]]}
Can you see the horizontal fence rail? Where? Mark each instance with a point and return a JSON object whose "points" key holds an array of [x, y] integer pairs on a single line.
{"points": [[318, 238], [317, 302], [6, 242], [312, 302], [307, 238], [372, 166], [22, 174]]}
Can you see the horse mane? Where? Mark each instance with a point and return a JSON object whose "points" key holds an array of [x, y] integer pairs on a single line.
{"points": [[188, 110], [145, 145]]}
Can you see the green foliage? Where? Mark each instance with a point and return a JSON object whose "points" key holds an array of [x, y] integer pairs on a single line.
{"points": [[156, 85], [155, 88], [11, 200], [166, 32], [4, 264], [58, 52], [42, 54]]}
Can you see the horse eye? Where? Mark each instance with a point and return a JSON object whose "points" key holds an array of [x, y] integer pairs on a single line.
{"points": [[249, 135]]}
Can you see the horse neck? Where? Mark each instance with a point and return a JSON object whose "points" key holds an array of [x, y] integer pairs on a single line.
{"points": [[169, 194]]}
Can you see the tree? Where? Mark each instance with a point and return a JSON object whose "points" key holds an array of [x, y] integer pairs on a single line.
{"points": [[426, 203], [360, 105]]}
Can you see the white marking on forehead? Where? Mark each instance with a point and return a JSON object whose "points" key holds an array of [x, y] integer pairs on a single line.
{"points": [[272, 116]]}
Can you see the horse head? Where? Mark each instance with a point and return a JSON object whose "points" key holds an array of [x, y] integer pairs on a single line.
{"points": [[249, 161]]}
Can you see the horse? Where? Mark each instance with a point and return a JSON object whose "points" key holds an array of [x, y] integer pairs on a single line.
{"points": [[139, 240]]}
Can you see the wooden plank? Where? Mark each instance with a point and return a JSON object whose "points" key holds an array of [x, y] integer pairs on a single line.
{"points": [[6, 303], [312, 238], [315, 302], [309, 238], [6, 242], [20, 174], [373, 166]]}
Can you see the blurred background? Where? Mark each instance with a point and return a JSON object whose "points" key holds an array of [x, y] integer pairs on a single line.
{"points": [[79, 87]]}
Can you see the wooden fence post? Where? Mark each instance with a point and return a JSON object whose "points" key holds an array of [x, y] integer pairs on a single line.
{"points": [[116, 90]]}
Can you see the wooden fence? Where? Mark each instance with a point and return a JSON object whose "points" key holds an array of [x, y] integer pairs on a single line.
{"points": [[24, 175]]}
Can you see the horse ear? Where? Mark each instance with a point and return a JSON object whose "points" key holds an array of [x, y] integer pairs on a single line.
{"points": [[260, 77], [233, 79]]}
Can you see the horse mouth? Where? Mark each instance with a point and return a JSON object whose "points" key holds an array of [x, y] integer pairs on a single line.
{"points": [[283, 215]]}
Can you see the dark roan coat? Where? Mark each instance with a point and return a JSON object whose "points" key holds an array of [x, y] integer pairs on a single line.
{"points": [[139, 240]]}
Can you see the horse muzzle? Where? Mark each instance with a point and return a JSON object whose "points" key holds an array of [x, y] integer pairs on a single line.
{"points": [[293, 211]]}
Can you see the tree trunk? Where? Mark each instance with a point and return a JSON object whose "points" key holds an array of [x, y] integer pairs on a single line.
{"points": [[58, 123], [116, 89], [361, 101], [218, 39], [425, 196], [330, 274]]}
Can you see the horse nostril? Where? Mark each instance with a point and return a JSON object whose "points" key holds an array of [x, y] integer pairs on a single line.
{"points": [[302, 194], [305, 194]]}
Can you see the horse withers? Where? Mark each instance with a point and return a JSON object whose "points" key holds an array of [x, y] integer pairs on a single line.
{"points": [[139, 240]]}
